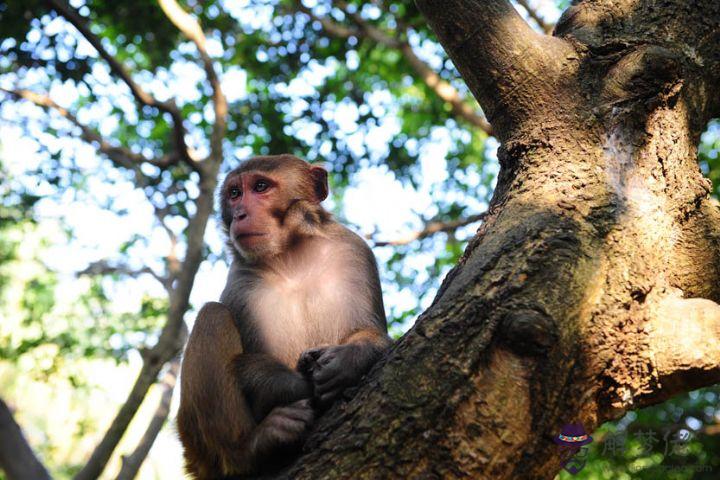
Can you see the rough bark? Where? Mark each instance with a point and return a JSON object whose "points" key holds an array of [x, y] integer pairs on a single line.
{"points": [[592, 286]]}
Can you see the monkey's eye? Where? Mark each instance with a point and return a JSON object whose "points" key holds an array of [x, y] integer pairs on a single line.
{"points": [[234, 192], [261, 186]]}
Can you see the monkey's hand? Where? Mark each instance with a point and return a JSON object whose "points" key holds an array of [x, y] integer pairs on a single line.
{"points": [[332, 369], [307, 362], [283, 428]]}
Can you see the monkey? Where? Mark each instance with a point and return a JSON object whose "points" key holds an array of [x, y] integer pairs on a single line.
{"points": [[300, 319]]}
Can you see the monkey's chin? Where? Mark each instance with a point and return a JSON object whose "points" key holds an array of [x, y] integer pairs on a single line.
{"points": [[249, 237], [250, 241], [256, 250]]}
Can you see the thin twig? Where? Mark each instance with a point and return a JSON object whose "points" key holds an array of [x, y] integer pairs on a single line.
{"points": [[190, 27], [144, 98], [544, 26], [120, 156], [428, 230], [105, 268]]}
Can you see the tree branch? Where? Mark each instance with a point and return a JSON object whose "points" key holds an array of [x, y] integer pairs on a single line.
{"points": [[190, 27], [104, 268], [131, 463], [445, 91], [331, 27], [684, 342], [146, 378], [17, 459], [545, 26], [430, 229], [141, 96], [506, 64], [120, 156], [153, 361], [172, 336]]}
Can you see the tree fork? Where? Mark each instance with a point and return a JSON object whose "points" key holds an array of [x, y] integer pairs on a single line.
{"points": [[513, 71]]}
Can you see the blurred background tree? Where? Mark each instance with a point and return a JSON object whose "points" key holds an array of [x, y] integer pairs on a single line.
{"points": [[117, 118]]}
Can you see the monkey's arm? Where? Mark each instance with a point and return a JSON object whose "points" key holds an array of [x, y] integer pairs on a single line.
{"points": [[279, 399], [266, 383], [334, 368]]}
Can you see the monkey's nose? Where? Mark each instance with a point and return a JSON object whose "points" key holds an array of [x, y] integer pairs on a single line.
{"points": [[240, 216]]}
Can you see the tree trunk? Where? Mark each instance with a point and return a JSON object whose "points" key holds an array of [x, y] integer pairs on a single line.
{"points": [[17, 459], [590, 288]]}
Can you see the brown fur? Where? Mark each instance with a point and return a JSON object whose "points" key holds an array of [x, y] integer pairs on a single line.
{"points": [[302, 291]]}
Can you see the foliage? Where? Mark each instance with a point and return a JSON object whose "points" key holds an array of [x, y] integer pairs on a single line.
{"points": [[676, 440]]}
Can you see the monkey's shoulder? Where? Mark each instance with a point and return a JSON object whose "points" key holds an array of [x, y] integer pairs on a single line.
{"points": [[349, 240]]}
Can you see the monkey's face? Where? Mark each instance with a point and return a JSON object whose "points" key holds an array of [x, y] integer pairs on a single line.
{"points": [[252, 211], [256, 204]]}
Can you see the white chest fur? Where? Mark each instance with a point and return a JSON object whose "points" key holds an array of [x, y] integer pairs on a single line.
{"points": [[304, 304]]}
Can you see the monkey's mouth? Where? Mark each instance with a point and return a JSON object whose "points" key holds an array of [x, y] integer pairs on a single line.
{"points": [[244, 237]]}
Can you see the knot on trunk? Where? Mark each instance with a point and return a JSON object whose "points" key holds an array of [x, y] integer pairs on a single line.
{"points": [[528, 332], [645, 72]]}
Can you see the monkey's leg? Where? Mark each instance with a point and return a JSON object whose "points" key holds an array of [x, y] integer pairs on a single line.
{"points": [[214, 420], [239, 413]]}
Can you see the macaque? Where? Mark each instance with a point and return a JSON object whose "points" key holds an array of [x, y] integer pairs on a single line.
{"points": [[301, 318]]}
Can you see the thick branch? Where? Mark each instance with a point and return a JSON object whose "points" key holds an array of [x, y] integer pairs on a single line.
{"points": [[173, 334], [153, 361], [443, 89], [430, 229], [684, 341], [17, 459], [142, 97], [171, 338], [505, 63], [131, 463], [190, 27]]}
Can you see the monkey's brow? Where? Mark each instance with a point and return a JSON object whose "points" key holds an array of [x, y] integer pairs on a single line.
{"points": [[265, 165]]}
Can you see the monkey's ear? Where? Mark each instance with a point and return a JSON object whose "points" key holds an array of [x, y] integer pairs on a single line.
{"points": [[320, 182]]}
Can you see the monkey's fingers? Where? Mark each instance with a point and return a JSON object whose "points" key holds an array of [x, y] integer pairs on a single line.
{"points": [[315, 353], [300, 410], [328, 384], [326, 399], [306, 364], [285, 423], [328, 372]]}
